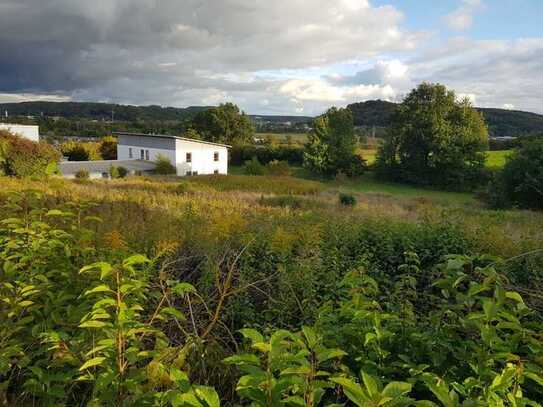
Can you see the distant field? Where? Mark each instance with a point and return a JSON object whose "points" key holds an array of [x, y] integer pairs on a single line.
{"points": [[299, 138], [496, 159]]}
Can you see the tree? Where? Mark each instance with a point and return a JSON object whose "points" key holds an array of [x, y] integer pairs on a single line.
{"points": [[331, 145], [108, 148], [223, 124], [434, 139], [520, 183]]}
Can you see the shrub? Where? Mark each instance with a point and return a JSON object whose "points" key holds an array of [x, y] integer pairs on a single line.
{"points": [[24, 158], [241, 153], [164, 166], [114, 172], [520, 183], [123, 172], [76, 151], [82, 174], [278, 168], [108, 148], [347, 199], [253, 167]]}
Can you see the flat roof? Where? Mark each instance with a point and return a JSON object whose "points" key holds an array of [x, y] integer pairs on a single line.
{"points": [[71, 167], [174, 137]]}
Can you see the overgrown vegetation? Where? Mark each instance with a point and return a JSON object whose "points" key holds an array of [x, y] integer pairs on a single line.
{"points": [[334, 307], [25, 158]]}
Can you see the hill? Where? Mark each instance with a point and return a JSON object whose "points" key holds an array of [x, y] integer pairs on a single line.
{"points": [[373, 113], [501, 123], [99, 111]]}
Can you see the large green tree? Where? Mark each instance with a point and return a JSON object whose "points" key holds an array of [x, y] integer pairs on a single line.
{"points": [[435, 139], [331, 145], [223, 124]]}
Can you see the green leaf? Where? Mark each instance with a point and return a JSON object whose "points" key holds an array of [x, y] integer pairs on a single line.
{"points": [[174, 313], [252, 334], [513, 295], [328, 354], [244, 358], [93, 324], [183, 288], [55, 212], [135, 260], [92, 362], [371, 384], [396, 389], [310, 336], [98, 289], [209, 395], [352, 390]]}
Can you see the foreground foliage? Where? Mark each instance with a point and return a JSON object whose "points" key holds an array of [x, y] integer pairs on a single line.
{"points": [[25, 158], [332, 315]]}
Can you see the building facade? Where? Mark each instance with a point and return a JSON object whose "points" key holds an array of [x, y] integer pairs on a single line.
{"points": [[189, 157], [28, 132]]}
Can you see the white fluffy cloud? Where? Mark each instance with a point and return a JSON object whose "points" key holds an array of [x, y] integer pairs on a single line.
{"points": [[462, 18], [267, 56]]}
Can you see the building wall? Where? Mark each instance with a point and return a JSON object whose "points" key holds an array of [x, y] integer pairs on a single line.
{"points": [[202, 158], [151, 146], [28, 132], [176, 151]]}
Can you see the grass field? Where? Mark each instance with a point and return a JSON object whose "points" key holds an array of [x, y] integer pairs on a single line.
{"points": [[496, 159]]}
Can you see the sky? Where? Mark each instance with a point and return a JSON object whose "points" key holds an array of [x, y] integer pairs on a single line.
{"points": [[296, 57]]}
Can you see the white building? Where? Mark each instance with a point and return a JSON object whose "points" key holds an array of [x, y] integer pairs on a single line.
{"points": [[28, 132], [189, 157]]}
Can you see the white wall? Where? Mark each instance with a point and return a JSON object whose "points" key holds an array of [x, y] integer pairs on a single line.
{"points": [[28, 132], [202, 158], [124, 154]]}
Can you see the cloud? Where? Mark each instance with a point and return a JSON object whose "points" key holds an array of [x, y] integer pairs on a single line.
{"points": [[462, 18], [168, 51], [495, 72]]}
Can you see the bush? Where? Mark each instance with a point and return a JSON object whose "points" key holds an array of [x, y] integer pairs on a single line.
{"points": [[253, 167], [76, 151], [520, 183], [24, 158], [123, 172], [108, 148], [164, 166], [114, 172], [347, 199], [265, 154], [278, 168], [82, 174]]}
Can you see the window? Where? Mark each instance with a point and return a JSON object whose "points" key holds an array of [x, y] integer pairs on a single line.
{"points": [[142, 154], [194, 172], [147, 155], [130, 155], [216, 172], [216, 156], [105, 175], [188, 173], [189, 157]]}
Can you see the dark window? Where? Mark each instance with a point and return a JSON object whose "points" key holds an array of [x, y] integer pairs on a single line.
{"points": [[194, 172], [142, 154], [130, 155], [188, 173], [189, 157], [216, 156], [216, 172], [147, 155], [105, 175]]}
